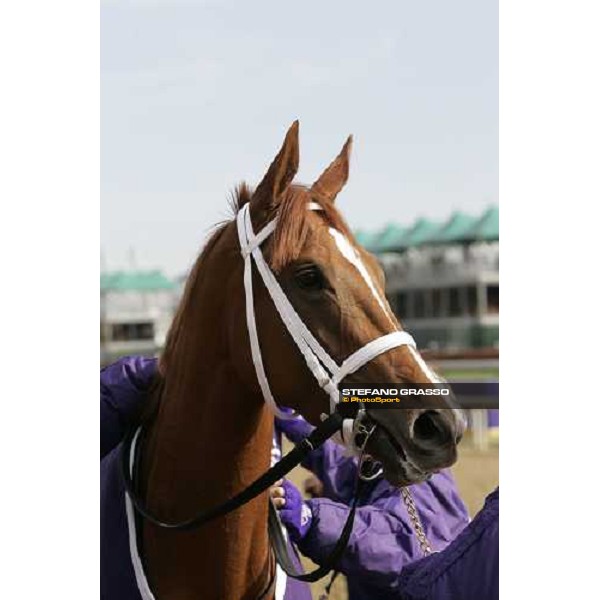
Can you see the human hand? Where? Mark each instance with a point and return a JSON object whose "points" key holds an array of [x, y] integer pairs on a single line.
{"points": [[295, 514]]}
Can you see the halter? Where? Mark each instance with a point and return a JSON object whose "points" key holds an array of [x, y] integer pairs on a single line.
{"points": [[324, 368]]}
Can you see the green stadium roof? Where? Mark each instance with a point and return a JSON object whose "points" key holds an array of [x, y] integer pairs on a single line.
{"points": [[456, 229], [388, 238], [459, 228], [488, 226], [422, 231], [141, 281]]}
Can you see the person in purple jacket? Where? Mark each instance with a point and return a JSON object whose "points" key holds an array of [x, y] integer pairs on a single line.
{"points": [[383, 540], [467, 569], [383, 558]]}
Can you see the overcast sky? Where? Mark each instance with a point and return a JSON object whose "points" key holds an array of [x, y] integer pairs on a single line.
{"points": [[197, 96]]}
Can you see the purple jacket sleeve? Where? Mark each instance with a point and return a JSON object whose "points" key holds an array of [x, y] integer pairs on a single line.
{"points": [[123, 385], [329, 462], [383, 541], [335, 469], [379, 546]]}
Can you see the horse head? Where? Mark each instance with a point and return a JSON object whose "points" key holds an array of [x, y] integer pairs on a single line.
{"points": [[337, 289]]}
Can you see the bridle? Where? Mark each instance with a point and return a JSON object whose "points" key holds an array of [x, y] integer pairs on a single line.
{"points": [[323, 367], [328, 375]]}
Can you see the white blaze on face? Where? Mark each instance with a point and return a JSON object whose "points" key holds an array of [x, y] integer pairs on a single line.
{"points": [[423, 366], [351, 254]]}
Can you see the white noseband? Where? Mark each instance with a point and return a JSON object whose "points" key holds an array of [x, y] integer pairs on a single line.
{"points": [[326, 371]]}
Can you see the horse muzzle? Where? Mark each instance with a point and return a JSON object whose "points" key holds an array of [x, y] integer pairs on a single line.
{"points": [[413, 444]]}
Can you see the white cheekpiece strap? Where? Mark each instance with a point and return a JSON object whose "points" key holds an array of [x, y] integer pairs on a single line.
{"points": [[326, 371], [263, 382]]}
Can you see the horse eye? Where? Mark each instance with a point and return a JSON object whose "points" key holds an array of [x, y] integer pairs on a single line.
{"points": [[309, 277]]}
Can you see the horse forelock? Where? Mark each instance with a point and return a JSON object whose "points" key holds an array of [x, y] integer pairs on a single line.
{"points": [[293, 221]]}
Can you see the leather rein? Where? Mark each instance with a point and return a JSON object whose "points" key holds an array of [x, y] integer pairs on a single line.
{"points": [[131, 455]]}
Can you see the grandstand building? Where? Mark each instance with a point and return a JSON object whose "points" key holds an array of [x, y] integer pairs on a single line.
{"points": [[136, 309], [442, 278]]}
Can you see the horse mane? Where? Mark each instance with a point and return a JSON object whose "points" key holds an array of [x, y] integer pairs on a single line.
{"points": [[178, 323]]}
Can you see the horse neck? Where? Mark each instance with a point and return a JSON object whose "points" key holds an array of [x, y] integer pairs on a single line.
{"points": [[211, 438]]}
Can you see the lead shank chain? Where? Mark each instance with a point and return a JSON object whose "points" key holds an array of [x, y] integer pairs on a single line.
{"points": [[416, 521]]}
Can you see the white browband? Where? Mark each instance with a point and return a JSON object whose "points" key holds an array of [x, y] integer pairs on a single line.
{"points": [[326, 371]]}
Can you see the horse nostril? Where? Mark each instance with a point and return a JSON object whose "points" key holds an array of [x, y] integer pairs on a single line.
{"points": [[431, 429]]}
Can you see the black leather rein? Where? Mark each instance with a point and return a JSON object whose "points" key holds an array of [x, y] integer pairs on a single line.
{"points": [[317, 438], [323, 432]]}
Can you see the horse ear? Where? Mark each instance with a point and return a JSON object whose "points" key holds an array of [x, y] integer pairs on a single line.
{"points": [[281, 172], [335, 176]]}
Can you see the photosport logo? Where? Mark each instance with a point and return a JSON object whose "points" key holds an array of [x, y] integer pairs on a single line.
{"points": [[481, 394]]}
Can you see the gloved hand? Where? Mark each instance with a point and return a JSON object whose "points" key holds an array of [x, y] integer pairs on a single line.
{"points": [[294, 512], [295, 429]]}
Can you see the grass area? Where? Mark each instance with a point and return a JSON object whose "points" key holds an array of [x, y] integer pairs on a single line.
{"points": [[476, 474], [470, 375]]}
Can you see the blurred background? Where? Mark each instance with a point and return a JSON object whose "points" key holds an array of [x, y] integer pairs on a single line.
{"points": [[196, 97]]}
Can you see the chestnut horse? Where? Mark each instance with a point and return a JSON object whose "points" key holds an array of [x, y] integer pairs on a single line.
{"points": [[211, 431]]}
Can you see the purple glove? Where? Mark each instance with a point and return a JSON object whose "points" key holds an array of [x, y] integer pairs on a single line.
{"points": [[295, 513], [295, 429]]}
